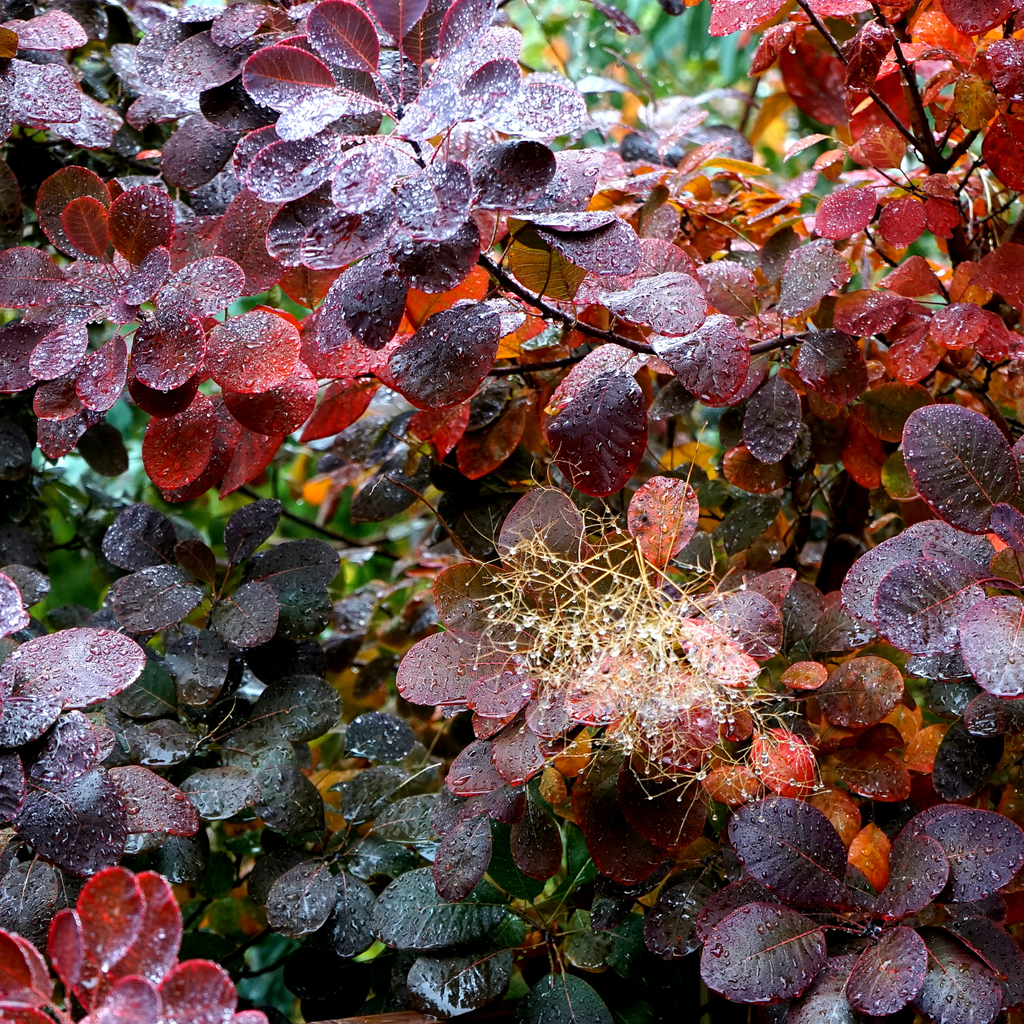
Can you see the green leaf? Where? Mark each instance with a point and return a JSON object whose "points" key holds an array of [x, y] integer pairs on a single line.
{"points": [[503, 869], [411, 915], [560, 999]]}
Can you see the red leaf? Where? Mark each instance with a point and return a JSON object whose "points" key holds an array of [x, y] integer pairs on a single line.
{"points": [[111, 909], [902, 222], [663, 517], [728, 16], [343, 34], [28, 277], [845, 212], [197, 992], [175, 451], [814, 80], [57, 191], [252, 352], [1003, 151], [153, 804], [974, 17], [342, 404], [155, 951], [479, 453], [442, 428], [281, 76], [103, 374], [599, 439], [85, 223], [278, 410], [243, 238], [783, 762], [141, 219], [253, 454]]}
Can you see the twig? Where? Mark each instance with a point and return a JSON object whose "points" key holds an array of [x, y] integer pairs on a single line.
{"points": [[510, 284]]}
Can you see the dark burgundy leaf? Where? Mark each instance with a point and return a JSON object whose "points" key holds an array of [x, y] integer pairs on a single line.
{"points": [[672, 303], [832, 365], [919, 605], [964, 763], [670, 928], [12, 785], [464, 20], [448, 358], [59, 352], [536, 843], [369, 298], [301, 899], [441, 668], [292, 169], [343, 34], [348, 929], [102, 376], [168, 349], [918, 870], [243, 239], [462, 859], [610, 248], [713, 362], [985, 850], [889, 974], [989, 639], [152, 803], [250, 527], [433, 204], [154, 598], [986, 715], [599, 439], [82, 827], [973, 17], [663, 810], [78, 667], [196, 153], [203, 287], [218, 793], [500, 696], [379, 737], [473, 771], [288, 801], [28, 277], [958, 987], [991, 943], [512, 174], [300, 707], [617, 848], [792, 848], [436, 267], [825, 1000], [1008, 524], [762, 952], [960, 464], [772, 420], [13, 616], [810, 274], [248, 617], [861, 692], [72, 748], [516, 753], [198, 662]]}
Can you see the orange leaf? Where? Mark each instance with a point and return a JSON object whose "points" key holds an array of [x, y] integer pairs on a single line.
{"points": [[869, 852]]}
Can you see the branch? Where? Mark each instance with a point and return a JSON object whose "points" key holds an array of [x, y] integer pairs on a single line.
{"points": [[550, 312], [551, 364], [882, 105]]}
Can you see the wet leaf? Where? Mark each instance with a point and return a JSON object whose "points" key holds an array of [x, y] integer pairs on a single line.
{"points": [[861, 692]]}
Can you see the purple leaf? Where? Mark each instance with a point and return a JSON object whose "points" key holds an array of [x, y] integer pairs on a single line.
{"points": [[512, 174], [369, 298], [28, 277], [433, 204], [462, 859], [343, 34], [984, 849], [989, 642], [713, 361], [772, 420], [762, 953], [960, 464], [958, 988], [919, 605], [889, 974], [448, 358], [792, 848], [825, 1000], [12, 615], [810, 274], [832, 365], [599, 439], [918, 870], [672, 303], [992, 944]]}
